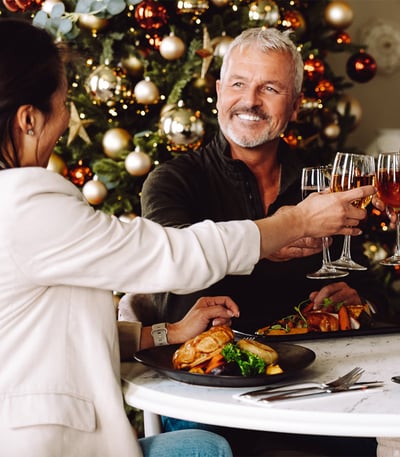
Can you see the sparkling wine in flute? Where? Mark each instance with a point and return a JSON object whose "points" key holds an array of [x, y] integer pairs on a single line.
{"points": [[340, 183]]}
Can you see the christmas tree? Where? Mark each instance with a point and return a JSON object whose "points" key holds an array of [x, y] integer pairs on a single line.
{"points": [[142, 82], [142, 87]]}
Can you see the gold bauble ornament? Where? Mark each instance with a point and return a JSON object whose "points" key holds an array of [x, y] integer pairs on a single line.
{"points": [[57, 164], [172, 47], [220, 45], [195, 7], [265, 11], [94, 191], [108, 85], [183, 128], [347, 101], [92, 22], [331, 132], [338, 15], [146, 92], [206, 84], [133, 66], [220, 3], [115, 141], [138, 163]]}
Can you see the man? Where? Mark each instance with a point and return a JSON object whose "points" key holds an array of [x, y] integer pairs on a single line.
{"points": [[246, 172]]}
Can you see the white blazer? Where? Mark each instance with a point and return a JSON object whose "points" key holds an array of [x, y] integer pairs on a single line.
{"points": [[60, 259]]}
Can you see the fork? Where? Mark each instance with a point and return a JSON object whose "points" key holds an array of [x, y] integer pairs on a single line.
{"points": [[346, 380]]}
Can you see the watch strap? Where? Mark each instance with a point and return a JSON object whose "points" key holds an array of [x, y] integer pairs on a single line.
{"points": [[159, 333]]}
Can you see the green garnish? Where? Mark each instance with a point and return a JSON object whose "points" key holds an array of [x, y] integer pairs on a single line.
{"points": [[249, 364]]}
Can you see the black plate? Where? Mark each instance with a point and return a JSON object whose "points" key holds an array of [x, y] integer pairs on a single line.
{"points": [[292, 359], [375, 328]]}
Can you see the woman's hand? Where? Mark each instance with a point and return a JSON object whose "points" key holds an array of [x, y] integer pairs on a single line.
{"points": [[205, 312]]}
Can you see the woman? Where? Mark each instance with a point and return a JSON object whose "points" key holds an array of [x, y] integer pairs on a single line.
{"points": [[59, 259]]}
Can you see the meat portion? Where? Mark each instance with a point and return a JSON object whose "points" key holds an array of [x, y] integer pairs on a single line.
{"points": [[202, 348]]}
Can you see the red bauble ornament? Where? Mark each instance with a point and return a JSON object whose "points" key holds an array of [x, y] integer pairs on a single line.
{"points": [[151, 15], [342, 38], [361, 67], [294, 20], [291, 138], [80, 174], [324, 89], [314, 69], [11, 5]]}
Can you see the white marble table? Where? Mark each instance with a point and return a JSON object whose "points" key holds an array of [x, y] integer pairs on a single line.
{"points": [[373, 413]]}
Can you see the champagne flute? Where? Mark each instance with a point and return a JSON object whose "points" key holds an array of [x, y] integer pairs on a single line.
{"points": [[350, 171], [316, 179], [388, 184]]}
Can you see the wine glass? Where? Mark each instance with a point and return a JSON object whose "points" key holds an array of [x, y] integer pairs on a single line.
{"points": [[316, 179], [388, 184], [350, 171]]}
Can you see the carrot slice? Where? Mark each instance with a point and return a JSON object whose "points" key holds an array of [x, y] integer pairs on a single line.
{"points": [[344, 319], [214, 362]]}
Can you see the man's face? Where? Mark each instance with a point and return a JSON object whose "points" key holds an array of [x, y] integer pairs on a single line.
{"points": [[255, 97]]}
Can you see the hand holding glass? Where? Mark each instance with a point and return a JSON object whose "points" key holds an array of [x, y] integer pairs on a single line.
{"points": [[316, 179], [350, 171], [388, 184]]}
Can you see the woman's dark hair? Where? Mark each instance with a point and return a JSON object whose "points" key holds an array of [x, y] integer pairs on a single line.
{"points": [[31, 70]]}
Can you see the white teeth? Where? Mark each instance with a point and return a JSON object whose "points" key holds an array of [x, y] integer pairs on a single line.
{"points": [[249, 117]]}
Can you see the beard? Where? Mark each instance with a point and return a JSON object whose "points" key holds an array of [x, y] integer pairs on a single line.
{"points": [[249, 139]]}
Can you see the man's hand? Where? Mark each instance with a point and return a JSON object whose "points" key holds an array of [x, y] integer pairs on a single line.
{"points": [[303, 247], [338, 292], [206, 311]]}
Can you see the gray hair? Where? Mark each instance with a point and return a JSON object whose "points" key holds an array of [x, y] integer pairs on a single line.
{"points": [[269, 39]]}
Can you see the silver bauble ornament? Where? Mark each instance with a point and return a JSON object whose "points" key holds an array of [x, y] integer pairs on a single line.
{"points": [[172, 47], [138, 163], [94, 191], [109, 86], [338, 15], [146, 92], [183, 128], [47, 5], [115, 141]]}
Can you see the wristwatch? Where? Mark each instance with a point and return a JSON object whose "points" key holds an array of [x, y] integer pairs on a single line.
{"points": [[159, 333]]}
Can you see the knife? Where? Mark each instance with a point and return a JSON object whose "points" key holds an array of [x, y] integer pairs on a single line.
{"points": [[288, 388], [297, 395]]}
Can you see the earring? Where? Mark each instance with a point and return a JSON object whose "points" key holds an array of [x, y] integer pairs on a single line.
{"points": [[30, 132]]}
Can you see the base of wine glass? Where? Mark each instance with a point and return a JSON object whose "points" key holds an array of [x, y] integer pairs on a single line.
{"points": [[391, 261], [348, 264], [327, 273]]}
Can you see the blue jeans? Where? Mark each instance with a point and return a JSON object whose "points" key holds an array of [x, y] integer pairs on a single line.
{"points": [[185, 443]]}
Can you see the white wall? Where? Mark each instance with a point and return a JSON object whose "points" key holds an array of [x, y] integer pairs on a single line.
{"points": [[380, 97]]}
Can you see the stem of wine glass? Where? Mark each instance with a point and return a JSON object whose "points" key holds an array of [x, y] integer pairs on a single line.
{"points": [[397, 253], [346, 248], [326, 257]]}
